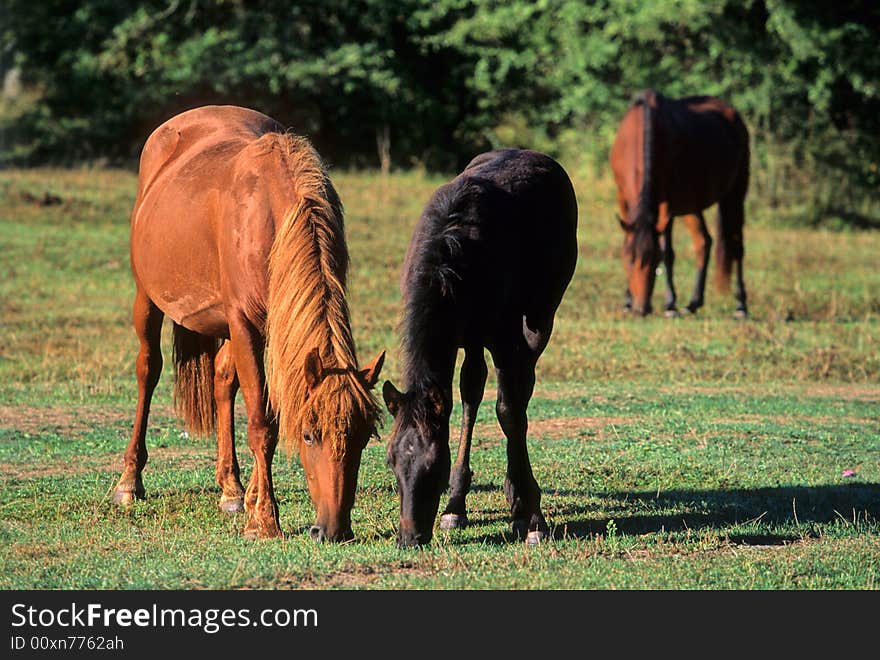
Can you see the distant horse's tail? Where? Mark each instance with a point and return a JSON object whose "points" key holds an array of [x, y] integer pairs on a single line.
{"points": [[194, 379], [729, 248]]}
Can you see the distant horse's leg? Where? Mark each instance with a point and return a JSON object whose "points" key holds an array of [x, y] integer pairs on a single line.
{"points": [[259, 500], [225, 389], [702, 242], [515, 369], [472, 384], [668, 266], [147, 320]]}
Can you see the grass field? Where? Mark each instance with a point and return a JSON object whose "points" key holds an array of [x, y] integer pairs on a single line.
{"points": [[698, 452]]}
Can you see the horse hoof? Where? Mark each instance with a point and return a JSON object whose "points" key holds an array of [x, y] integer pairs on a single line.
{"points": [[671, 313], [232, 504], [535, 537], [254, 532], [125, 497], [740, 315], [453, 521]]}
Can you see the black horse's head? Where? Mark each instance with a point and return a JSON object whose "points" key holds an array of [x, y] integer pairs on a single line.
{"points": [[418, 453], [641, 255]]}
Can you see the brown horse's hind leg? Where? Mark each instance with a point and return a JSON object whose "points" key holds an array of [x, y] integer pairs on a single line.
{"points": [[472, 384], [147, 320], [702, 243], [228, 474], [260, 503], [515, 369]]}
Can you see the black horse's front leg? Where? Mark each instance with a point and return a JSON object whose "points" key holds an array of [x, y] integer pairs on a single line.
{"points": [[472, 384]]}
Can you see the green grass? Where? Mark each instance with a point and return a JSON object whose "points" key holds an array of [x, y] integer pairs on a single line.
{"points": [[696, 453]]}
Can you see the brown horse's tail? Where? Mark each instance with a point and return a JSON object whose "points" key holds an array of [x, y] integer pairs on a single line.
{"points": [[194, 379], [729, 248]]}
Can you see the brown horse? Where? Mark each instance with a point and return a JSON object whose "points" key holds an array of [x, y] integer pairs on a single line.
{"points": [[676, 157], [237, 236]]}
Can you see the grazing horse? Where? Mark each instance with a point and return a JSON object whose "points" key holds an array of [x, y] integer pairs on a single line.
{"points": [[237, 236], [487, 266], [678, 157]]}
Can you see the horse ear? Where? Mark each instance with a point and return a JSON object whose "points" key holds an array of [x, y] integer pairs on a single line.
{"points": [[371, 373], [314, 369], [624, 225], [392, 397], [437, 400]]}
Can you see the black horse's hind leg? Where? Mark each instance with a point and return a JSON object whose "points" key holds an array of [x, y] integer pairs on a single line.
{"points": [[702, 243], [515, 368], [147, 320], [668, 266], [472, 384]]}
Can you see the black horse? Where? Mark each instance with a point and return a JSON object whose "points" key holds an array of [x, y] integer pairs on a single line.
{"points": [[487, 266]]}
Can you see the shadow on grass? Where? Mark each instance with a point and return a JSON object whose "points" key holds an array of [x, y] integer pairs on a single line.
{"points": [[700, 509], [719, 509]]}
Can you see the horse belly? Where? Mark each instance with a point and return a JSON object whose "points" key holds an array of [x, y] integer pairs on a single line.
{"points": [[174, 258]]}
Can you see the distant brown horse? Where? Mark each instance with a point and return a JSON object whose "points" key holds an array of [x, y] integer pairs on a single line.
{"points": [[237, 236], [676, 157]]}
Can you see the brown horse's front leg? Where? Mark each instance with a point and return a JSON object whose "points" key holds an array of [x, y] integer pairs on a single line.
{"points": [[260, 503], [147, 319], [228, 472]]}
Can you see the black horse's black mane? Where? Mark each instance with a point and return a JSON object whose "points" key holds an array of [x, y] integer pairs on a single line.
{"points": [[449, 230]]}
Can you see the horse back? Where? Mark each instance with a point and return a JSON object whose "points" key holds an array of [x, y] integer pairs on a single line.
{"points": [[699, 148], [499, 240], [708, 150]]}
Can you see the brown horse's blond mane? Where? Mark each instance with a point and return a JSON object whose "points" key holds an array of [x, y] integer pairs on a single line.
{"points": [[307, 309]]}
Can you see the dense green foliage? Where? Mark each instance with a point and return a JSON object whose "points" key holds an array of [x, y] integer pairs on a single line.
{"points": [[431, 82]]}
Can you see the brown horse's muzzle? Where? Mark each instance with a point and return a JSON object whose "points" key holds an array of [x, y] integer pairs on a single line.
{"points": [[334, 533], [641, 287], [332, 485]]}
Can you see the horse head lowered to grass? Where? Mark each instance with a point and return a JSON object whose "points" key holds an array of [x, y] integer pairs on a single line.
{"points": [[676, 157], [237, 236]]}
